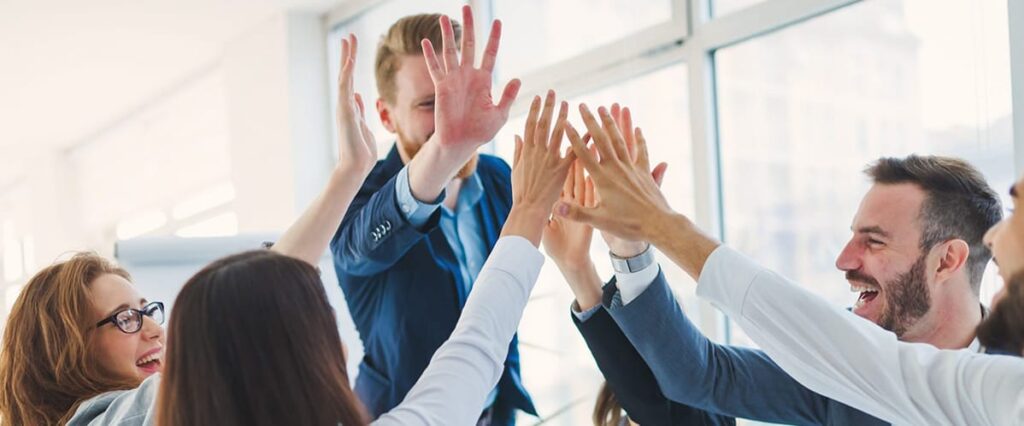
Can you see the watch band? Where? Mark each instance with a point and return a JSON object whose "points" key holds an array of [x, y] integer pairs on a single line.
{"points": [[633, 264]]}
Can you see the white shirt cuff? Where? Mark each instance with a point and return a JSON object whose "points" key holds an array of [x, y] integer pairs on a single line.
{"points": [[632, 284], [583, 316], [416, 211]]}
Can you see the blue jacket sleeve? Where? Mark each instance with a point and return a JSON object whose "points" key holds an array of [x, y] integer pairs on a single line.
{"points": [[692, 370], [633, 381], [375, 233]]}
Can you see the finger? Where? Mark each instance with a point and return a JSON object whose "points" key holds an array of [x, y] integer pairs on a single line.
{"points": [[556, 138], [621, 116], [626, 130], [491, 52], [580, 148], [436, 72], [591, 193], [565, 164], [593, 216], [659, 173], [509, 95], [598, 134], [567, 187], [343, 62], [544, 124], [448, 53], [359, 104], [468, 37], [643, 160], [612, 129], [580, 183], [531, 120], [518, 152], [353, 50]]}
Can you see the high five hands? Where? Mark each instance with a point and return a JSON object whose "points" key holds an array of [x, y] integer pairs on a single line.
{"points": [[628, 194]]}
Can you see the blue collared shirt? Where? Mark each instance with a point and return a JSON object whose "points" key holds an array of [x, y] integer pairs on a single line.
{"points": [[461, 227]]}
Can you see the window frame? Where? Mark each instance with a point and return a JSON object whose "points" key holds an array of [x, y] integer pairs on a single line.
{"points": [[692, 36]]}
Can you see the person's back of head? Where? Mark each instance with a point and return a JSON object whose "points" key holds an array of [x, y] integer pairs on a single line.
{"points": [[47, 365], [253, 341]]}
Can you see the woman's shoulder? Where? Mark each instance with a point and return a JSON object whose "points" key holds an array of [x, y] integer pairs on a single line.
{"points": [[121, 407]]}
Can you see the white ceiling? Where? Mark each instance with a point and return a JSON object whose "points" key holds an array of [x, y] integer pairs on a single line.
{"points": [[69, 68]]}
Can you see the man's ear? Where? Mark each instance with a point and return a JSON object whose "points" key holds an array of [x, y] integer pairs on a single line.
{"points": [[953, 255], [384, 112]]}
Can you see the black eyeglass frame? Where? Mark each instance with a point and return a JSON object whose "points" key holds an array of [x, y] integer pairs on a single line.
{"points": [[146, 311]]}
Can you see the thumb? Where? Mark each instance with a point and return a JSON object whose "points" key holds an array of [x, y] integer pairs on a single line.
{"points": [[592, 216], [659, 173]]}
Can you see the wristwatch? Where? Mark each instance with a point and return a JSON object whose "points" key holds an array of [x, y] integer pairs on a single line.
{"points": [[633, 264]]}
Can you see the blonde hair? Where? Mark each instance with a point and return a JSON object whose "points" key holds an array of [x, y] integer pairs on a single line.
{"points": [[404, 38], [46, 368]]}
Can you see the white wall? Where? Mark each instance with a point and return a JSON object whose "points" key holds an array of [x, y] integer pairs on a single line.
{"points": [[256, 120]]}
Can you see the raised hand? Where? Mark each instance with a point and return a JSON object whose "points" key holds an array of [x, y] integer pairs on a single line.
{"points": [[465, 115], [308, 236], [357, 148], [628, 196], [538, 170], [624, 120], [565, 241]]}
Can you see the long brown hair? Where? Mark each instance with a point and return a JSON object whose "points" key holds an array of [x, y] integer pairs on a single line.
{"points": [[254, 341], [607, 410], [45, 364]]}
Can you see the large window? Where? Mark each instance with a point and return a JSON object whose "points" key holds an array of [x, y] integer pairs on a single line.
{"points": [[804, 109], [537, 33]]}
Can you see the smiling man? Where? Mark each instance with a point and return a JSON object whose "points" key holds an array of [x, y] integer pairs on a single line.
{"points": [[915, 260], [917, 257]]}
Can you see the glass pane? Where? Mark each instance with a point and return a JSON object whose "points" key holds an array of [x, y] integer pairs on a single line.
{"points": [[803, 110], [724, 7], [537, 33], [557, 366], [368, 28]]}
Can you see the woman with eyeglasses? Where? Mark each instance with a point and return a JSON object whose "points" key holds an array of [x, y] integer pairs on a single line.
{"points": [[82, 346]]}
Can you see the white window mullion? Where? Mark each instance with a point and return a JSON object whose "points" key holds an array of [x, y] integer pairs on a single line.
{"points": [[1015, 9]]}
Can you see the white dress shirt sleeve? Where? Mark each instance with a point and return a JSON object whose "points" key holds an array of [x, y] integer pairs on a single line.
{"points": [[455, 386], [849, 359]]}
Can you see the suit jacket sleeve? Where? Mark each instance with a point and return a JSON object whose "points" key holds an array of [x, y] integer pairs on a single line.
{"points": [[692, 370], [375, 233], [632, 379]]}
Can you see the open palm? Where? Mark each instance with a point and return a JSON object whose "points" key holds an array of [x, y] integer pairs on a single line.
{"points": [[465, 113], [357, 148]]}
